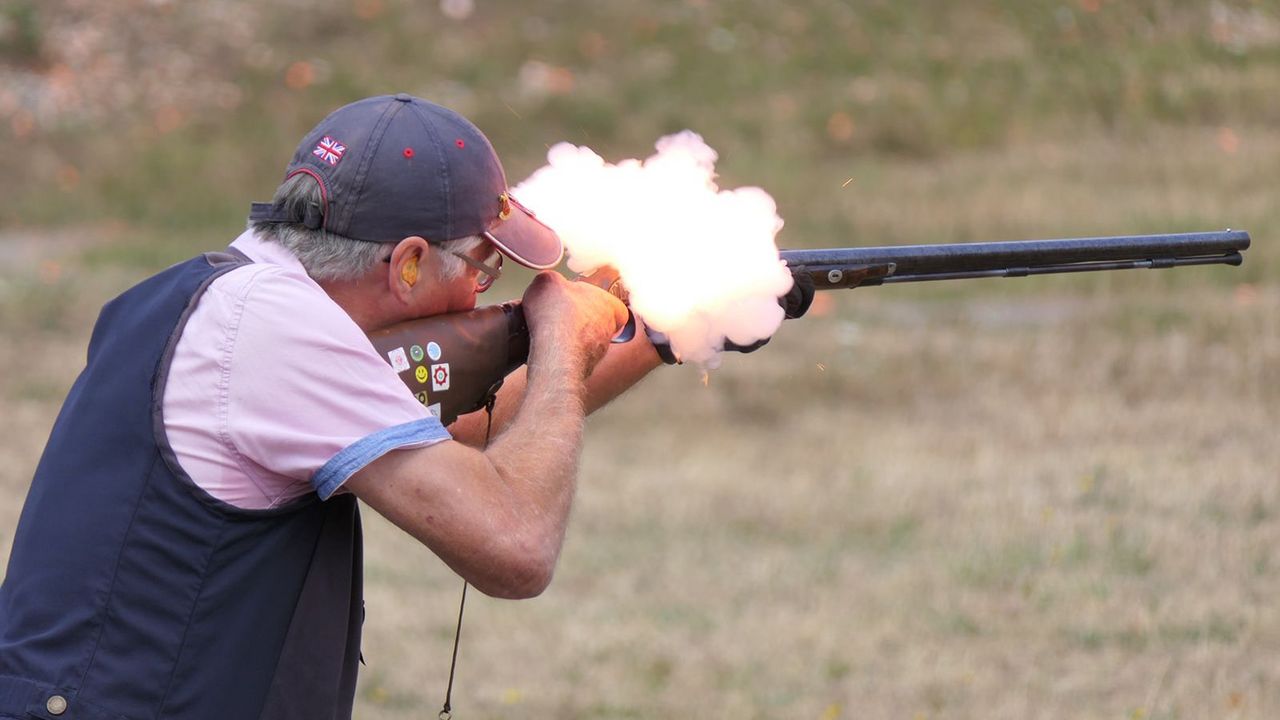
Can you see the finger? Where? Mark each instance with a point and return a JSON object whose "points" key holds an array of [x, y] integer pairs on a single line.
{"points": [[545, 278], [619, 309], [621, 313]]}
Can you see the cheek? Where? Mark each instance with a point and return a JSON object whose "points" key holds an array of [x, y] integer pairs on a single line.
{"points": [[463, 296]]}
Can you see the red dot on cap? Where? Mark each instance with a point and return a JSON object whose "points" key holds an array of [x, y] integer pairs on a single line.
{"points": [[459, 143], [408, 152]]}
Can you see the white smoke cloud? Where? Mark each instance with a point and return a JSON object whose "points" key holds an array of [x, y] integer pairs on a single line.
{"points": [[700, 263]]}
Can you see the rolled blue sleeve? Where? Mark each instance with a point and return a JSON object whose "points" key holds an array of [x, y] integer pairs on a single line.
{"points": [[360, 453]]}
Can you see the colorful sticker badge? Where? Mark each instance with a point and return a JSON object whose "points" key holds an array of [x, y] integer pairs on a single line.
{"points": [[433, 351], [399, 362], [422, 397], [434, 409], [440, 376], [415, 352], [421, 374]]}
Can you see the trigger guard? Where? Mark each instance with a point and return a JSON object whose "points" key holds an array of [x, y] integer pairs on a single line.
{"points": [[628, 330]]}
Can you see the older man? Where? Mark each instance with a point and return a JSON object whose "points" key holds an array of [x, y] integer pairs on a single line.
{"points": [[190, 547]]}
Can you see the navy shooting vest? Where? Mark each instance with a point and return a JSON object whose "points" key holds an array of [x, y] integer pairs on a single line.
{"points": [[132, 594]]}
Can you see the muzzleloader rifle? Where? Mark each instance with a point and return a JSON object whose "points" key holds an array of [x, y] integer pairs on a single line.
{"points": [[460, 360]]}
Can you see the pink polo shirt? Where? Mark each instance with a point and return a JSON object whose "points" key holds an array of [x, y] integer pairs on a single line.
{"points": [[274, 392]]}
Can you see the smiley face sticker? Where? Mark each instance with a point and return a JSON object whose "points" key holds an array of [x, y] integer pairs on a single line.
{"points": [[421, 374]]}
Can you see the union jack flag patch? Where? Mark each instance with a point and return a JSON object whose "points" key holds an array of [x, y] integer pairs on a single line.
{"points": [[329, 150]]}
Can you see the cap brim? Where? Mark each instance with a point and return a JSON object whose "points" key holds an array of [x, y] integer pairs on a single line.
{"points": [[525, 239]]}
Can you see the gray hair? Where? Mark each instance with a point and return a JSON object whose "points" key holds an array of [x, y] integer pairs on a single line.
{"points": [[331, 257]]}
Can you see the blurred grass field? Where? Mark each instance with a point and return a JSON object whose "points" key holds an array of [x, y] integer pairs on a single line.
{"points": [[1039, 498]]}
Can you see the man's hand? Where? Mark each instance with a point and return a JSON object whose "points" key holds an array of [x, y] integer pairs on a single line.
{"points": [[570, 322]]}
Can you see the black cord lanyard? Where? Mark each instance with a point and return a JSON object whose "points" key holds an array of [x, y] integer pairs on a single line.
{"points": [[446, 712]]}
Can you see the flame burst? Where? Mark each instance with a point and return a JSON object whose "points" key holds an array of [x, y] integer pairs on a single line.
{"points": [[700, 263]]}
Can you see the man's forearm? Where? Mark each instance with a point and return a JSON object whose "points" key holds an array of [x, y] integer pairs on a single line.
{"points": [[537, 453], [622, 367], [497, 518]]}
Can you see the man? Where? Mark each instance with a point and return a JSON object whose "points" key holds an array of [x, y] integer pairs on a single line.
{"points": [[190, 546]]}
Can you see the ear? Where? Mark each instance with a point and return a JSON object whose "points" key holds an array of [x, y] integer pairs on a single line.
{"points": [[406, 271]]}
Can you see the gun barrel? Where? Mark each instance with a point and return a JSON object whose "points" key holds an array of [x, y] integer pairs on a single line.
{"points": [[850, 267]]}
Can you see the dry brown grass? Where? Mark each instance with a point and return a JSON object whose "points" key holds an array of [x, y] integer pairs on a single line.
{"points": [[1046, 498]]}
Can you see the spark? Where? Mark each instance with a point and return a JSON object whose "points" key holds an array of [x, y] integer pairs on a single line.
{"points": [[846, 183], [513, 112], [822, 368]]}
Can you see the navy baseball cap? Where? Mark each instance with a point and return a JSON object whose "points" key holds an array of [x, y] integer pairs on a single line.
{"points": [[396, 165]]}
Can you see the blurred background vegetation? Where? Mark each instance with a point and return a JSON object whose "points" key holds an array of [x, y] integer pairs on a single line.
{"points": [[159, 118], [994, 499]]}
